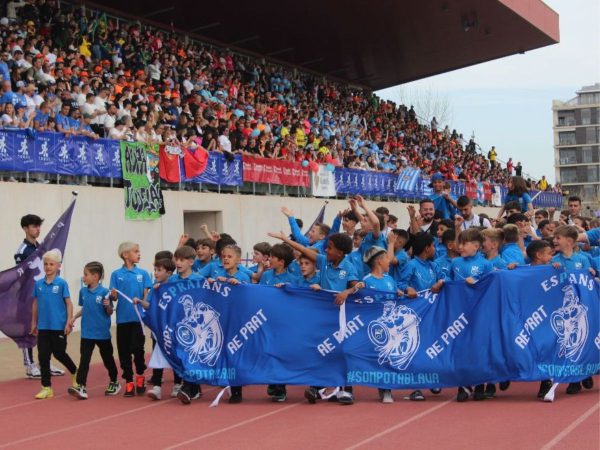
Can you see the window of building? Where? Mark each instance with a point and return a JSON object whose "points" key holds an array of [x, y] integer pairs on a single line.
{"points": [[568, 156], [566, 138], [587, 155], [586, 116], [566, 118], [591, 135], [568, 175], [592, 174]]}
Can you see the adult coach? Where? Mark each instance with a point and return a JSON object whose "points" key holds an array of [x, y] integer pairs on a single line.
{"points": [[32, 226]]}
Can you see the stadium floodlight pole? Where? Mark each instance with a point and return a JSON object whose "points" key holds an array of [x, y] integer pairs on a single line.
{"points": [[159, 11]]}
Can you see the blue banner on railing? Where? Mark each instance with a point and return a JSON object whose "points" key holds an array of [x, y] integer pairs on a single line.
{"points": [[53, 153], [220, 171], [529, 324], [366, 183]]}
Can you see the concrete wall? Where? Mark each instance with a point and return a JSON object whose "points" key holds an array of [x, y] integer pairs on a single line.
{"points": [[99, 223]]}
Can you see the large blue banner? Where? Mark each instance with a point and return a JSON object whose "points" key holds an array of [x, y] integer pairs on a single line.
{"points": [[529, 324], [53, 153]]}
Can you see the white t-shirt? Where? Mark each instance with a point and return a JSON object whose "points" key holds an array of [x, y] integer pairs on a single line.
{"points": [[225, 143], [476, 222]]}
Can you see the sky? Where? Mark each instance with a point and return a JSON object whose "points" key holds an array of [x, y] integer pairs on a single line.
{"points": [[508, 102]]}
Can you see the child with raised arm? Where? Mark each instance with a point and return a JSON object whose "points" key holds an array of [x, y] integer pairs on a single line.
{"points": [[95, 311], [336, 273], [52, 312], [316, 235], [135, 283], [398, 257]]}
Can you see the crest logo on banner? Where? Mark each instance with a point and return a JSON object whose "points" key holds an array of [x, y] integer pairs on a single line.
{"points": [[570, 323], [395, 335], [199, 332]]}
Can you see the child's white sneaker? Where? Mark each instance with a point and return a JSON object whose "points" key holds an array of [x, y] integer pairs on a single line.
{"points": [[175, 390], [155, 393]]}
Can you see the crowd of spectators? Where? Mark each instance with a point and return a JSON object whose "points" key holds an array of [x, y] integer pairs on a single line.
{"points": [[74, 71]]}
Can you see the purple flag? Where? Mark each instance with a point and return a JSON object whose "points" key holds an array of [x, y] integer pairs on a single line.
{"points": [[320, 218], [16, 284]]}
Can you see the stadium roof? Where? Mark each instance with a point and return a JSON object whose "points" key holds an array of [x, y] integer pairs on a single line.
{"points": [[377, 44]]}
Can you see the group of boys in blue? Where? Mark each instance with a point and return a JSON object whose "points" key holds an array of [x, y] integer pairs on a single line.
{"points": [[337, 267]]}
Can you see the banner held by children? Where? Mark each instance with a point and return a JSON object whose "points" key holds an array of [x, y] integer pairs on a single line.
{"points": [[143, 196], [528, 324]]}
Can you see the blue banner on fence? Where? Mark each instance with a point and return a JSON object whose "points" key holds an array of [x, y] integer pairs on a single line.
{"points": [[220, 171], [529, 324]]}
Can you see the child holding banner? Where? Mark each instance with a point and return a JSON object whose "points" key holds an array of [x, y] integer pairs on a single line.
{"points": [[52, 311], [184, 258], [565, 239], [163, 269], [95, 311], [205, 250], [280, 258], [133, 282], [378, 259], [471, 266], [336, 273]]}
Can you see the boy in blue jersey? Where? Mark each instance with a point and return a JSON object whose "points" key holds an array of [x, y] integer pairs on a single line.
{"points": [[513, 250], [355, 256], [442, 200], [205, 250], [565, 238], [316, 235], [95, 311], [378, 259], [470, 266], [396, 241], [215, 267], [309, 274], [163, 270], [442, 226], [372, 223], [280, 258], [336, 273], [448, 239], [492, 241], [52, 312], [278, 275], [540, 254], [184, 258], [135, 283], [231, 256], [421, 273], [260, 255]]}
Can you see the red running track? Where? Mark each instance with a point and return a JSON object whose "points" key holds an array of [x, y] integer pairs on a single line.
{"points": [[513, 420]]}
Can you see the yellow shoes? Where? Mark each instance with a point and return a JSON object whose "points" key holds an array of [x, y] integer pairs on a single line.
{"points": [[45, 393]]}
